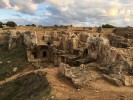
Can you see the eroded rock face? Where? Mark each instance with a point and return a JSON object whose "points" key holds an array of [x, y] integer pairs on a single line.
{"points": [[128, 80], [79, 76], [97, 47], [30, 39], [114, 79], [119, 41], [100, 49], [124, 32], [118, 61], [75, 48], [116, 57]]}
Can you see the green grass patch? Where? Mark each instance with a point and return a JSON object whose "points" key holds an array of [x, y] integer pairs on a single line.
{"points": [[32, 86], [11, 59]]}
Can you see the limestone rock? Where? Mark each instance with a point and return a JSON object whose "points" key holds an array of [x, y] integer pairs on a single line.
{"points": [[114, 79], [15, 69], [128, 80], [78, 75], [1, 62]]}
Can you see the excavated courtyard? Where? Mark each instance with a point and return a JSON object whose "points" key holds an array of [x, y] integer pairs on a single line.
{"points": [[79, 63]]}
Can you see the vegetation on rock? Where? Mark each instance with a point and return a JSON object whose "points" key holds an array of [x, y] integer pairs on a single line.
{"points": [[11, 24]]}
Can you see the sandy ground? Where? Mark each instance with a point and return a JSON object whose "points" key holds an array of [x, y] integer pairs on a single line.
{"points": [[63, 89], [98, 90]]}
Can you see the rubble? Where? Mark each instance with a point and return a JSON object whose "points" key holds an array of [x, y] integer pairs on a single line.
{"points": [[114, 79], [79, 76], [8, 61], [15, 69], [128, 80]]}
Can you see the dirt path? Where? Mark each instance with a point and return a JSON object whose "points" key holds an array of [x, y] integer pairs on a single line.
{"points": [[18, 75], [63, 89], [99, 90]]}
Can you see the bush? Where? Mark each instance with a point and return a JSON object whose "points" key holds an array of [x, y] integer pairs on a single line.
{"points": [[108, 26], [11, 24], [1, 25], [27, 25], [33, 25], [55, 25]]}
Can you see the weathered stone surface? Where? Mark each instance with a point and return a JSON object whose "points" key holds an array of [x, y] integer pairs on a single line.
{"points": [[114, 79], [15, 69], [128, 80], [80, 76], [75, 47], [124, 32]]}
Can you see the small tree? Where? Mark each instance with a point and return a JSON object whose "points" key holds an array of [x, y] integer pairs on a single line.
{"points": [[55, 25], [27, 25], [108, 26], [11, 24], [71, 25], [1, 25], [61, 26], [33, 25]]}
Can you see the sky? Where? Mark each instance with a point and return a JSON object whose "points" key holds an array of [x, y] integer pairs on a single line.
{"points": [[68, 12]]}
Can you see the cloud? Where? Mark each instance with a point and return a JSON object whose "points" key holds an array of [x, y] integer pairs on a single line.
{"points": [[75, 12], [90, 12], [16, 15], [38, 1], [4, 4], [23, 6]]}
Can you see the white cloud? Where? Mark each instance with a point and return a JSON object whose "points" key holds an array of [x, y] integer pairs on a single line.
{"points": [[4, 4], [127, 19], [23, 6], [77, 12], [90, 12]]}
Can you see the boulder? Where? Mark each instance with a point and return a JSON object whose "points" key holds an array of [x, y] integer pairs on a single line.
{"points": [[78, 75], [15, 69], [128, 80], [114, 79]]}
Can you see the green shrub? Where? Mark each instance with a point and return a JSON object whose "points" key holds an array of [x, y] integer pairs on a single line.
{"points": [[108, 26]]}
